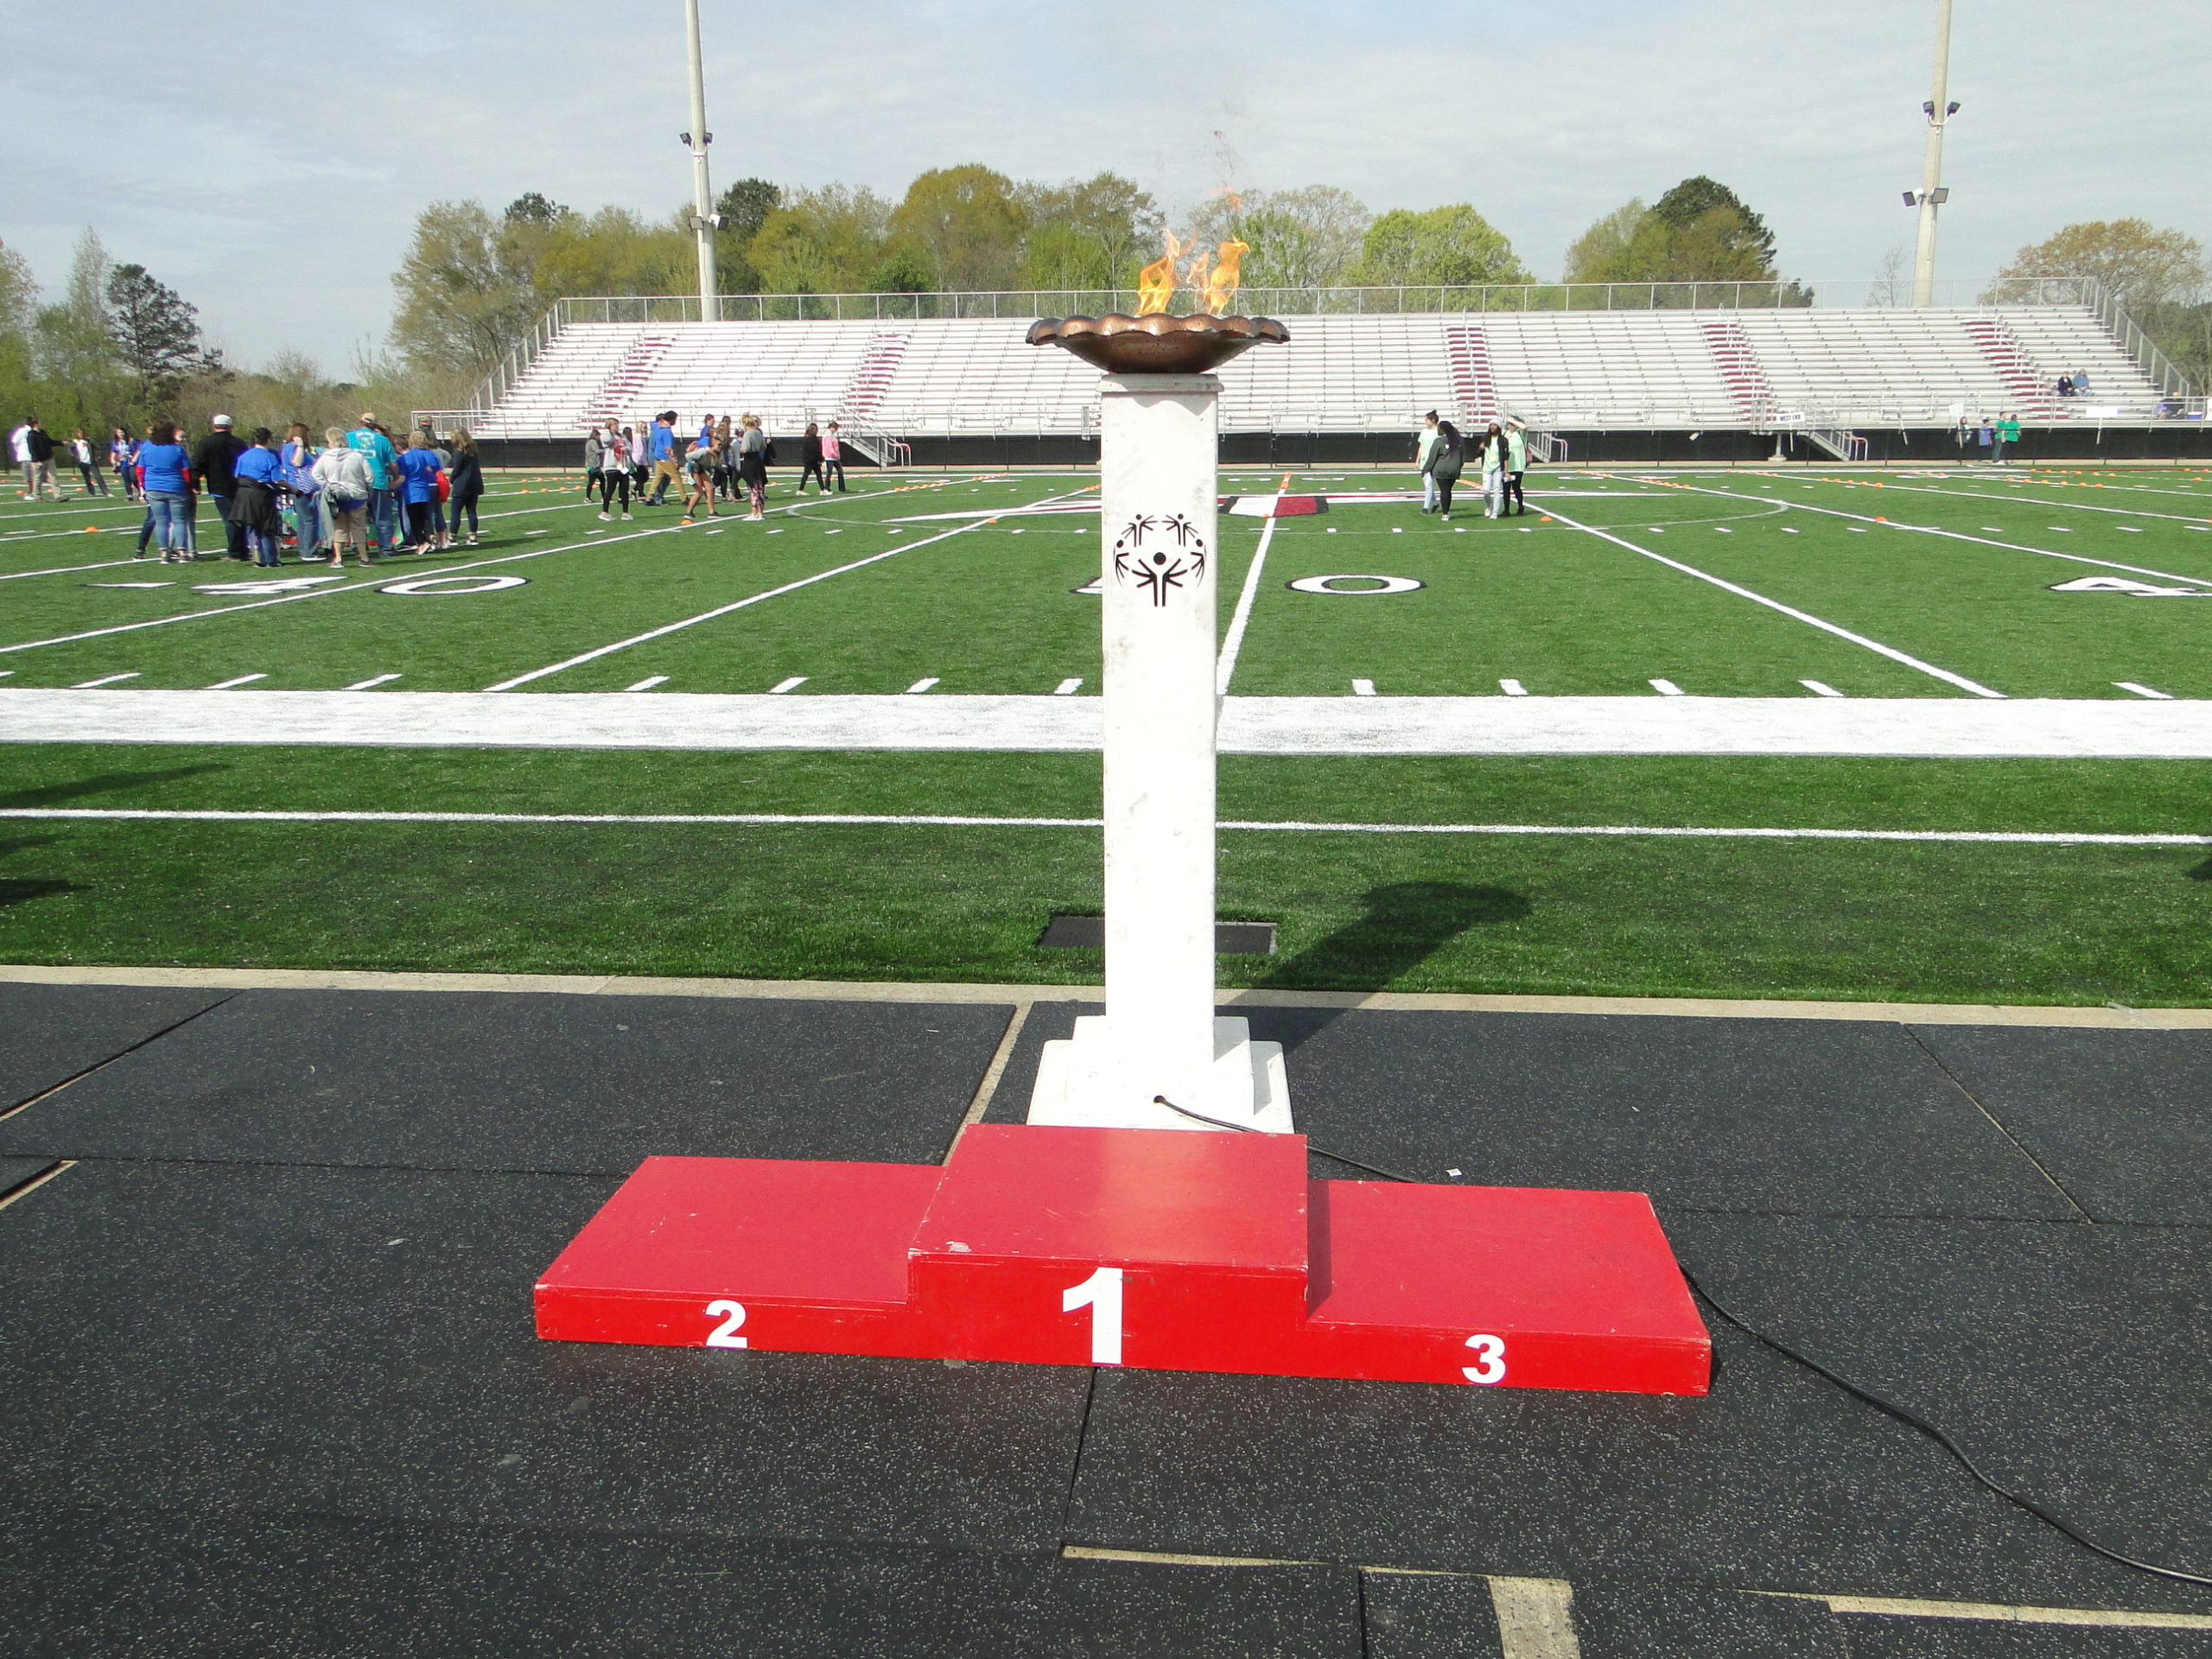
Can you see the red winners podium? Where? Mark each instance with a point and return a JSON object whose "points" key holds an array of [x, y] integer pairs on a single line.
{"points": [[1159, 1249]]}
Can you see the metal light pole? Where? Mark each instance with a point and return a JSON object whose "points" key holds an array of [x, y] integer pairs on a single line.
{"points": [[1932, 195], [704, 220]]}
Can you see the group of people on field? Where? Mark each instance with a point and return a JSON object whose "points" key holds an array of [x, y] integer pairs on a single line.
{"points": [[361, 490], [34, 452], [1995, 436], [717, 463], [1500, 455]]}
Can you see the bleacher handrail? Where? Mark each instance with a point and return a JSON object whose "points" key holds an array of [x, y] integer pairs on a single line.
{"points": [[1021, 304]]}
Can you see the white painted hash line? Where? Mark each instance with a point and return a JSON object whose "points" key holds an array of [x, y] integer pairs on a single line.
{"points": [[948, 821]]}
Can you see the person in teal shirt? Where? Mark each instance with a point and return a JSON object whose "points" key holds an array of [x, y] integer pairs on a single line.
{"points": [[2008, 434], [384, 462]]}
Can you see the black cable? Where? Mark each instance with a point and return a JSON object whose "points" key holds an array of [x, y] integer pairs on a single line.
{"points": [[1248, 1128], [1914, 1420], [1910, 1419]]}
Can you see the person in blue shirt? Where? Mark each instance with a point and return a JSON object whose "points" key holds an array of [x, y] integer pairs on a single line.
{"points": [[419, 473], [375, 445], [258, 475], [660, 449], [165, 477]]}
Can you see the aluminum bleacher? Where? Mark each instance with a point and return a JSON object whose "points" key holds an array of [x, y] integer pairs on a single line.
{"points": [[1752, 368]]}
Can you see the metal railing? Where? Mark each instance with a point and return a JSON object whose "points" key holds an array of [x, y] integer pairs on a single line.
{"points": [[2153, 362]]}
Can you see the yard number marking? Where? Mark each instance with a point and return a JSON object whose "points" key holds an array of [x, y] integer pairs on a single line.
{"points": [[445, 587], [1101, 1294], [1489, 1368], [725, 1334], [1326, 585]]}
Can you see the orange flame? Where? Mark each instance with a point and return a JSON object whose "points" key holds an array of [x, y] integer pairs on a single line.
{"points": [[1195, 274], [1228, 276], [1156, 282]]}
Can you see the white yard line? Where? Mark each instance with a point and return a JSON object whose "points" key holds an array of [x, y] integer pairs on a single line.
{"points": [[1234, 644], [71, 569], [388, 572], [1875, 646], [950, 820], [2123, 726], [2040, 501], [725, 610], [1949, 535]]}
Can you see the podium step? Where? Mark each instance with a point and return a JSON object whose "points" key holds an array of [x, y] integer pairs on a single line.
{"points": [[1136, 1247]]}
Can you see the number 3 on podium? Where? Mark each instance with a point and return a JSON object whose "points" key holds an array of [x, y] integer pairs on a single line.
{"points": [[1489, 1368]]}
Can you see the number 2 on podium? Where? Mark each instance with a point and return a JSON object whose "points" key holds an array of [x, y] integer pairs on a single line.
{"points": [[1101, 1294]]}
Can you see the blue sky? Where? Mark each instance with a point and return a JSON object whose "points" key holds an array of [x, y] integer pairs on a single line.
{"points": [[278, 198]]}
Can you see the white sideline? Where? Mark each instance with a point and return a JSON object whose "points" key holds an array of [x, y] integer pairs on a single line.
{"points": [[1924, 728], [948, 821]]}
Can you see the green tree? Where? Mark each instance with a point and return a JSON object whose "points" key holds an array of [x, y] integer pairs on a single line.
{"points": [[1309, 237], [615, 251], [1092, 233], [75, 337], [465, 295], [1693, 203], [157, 331], [532, 208], [18, 293], [742, 208], [826, 241], [966, 223], [1446, 247], [2140, 265], [1699, 232]]}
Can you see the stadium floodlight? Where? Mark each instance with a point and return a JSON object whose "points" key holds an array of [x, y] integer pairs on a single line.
{"points": [[1932, 195], [704, 219]]}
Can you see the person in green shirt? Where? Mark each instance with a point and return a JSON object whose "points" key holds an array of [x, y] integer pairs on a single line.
{"points": [[2008, 433]]}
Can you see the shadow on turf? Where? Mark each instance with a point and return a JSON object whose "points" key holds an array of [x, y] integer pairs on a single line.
{"points": [[1406, 923], [19, 890], [107, 783]]}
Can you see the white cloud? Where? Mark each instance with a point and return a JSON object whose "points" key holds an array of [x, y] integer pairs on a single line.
{"points": [[276, 185]]}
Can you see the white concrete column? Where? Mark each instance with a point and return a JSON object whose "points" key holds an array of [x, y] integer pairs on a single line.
{"points": [[1158, 450], [1160, 578]]}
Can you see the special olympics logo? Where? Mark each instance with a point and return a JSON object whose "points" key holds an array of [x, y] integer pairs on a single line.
{"points": [[1160, 553]]}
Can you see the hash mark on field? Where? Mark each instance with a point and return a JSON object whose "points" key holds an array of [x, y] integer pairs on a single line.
{"points": [[791, 684], [1363, 688], [1067, 688], [242, 679], [1818, 690], [648, 682], [88, 684], [371, 684], [2144, 691], [1513, 688], [1668, 688], [920, 686]]}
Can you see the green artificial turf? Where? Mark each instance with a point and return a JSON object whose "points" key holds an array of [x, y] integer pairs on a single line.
{"points": [[1912, 922]]}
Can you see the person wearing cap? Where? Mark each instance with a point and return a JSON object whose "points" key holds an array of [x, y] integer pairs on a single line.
{"points": [[1425, 444], [374, 446], [214, 462]]}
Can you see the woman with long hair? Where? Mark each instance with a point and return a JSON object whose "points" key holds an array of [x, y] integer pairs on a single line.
{"points": [[613, 471], [752, 467], [121, 451], [1445, 465], [165, 476], [1494, 471], [467, 478]]}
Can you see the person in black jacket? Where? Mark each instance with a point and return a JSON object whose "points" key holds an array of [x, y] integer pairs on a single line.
{"points": [[810, 456], [215, 462], [467, 485], [1447, 463]]}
